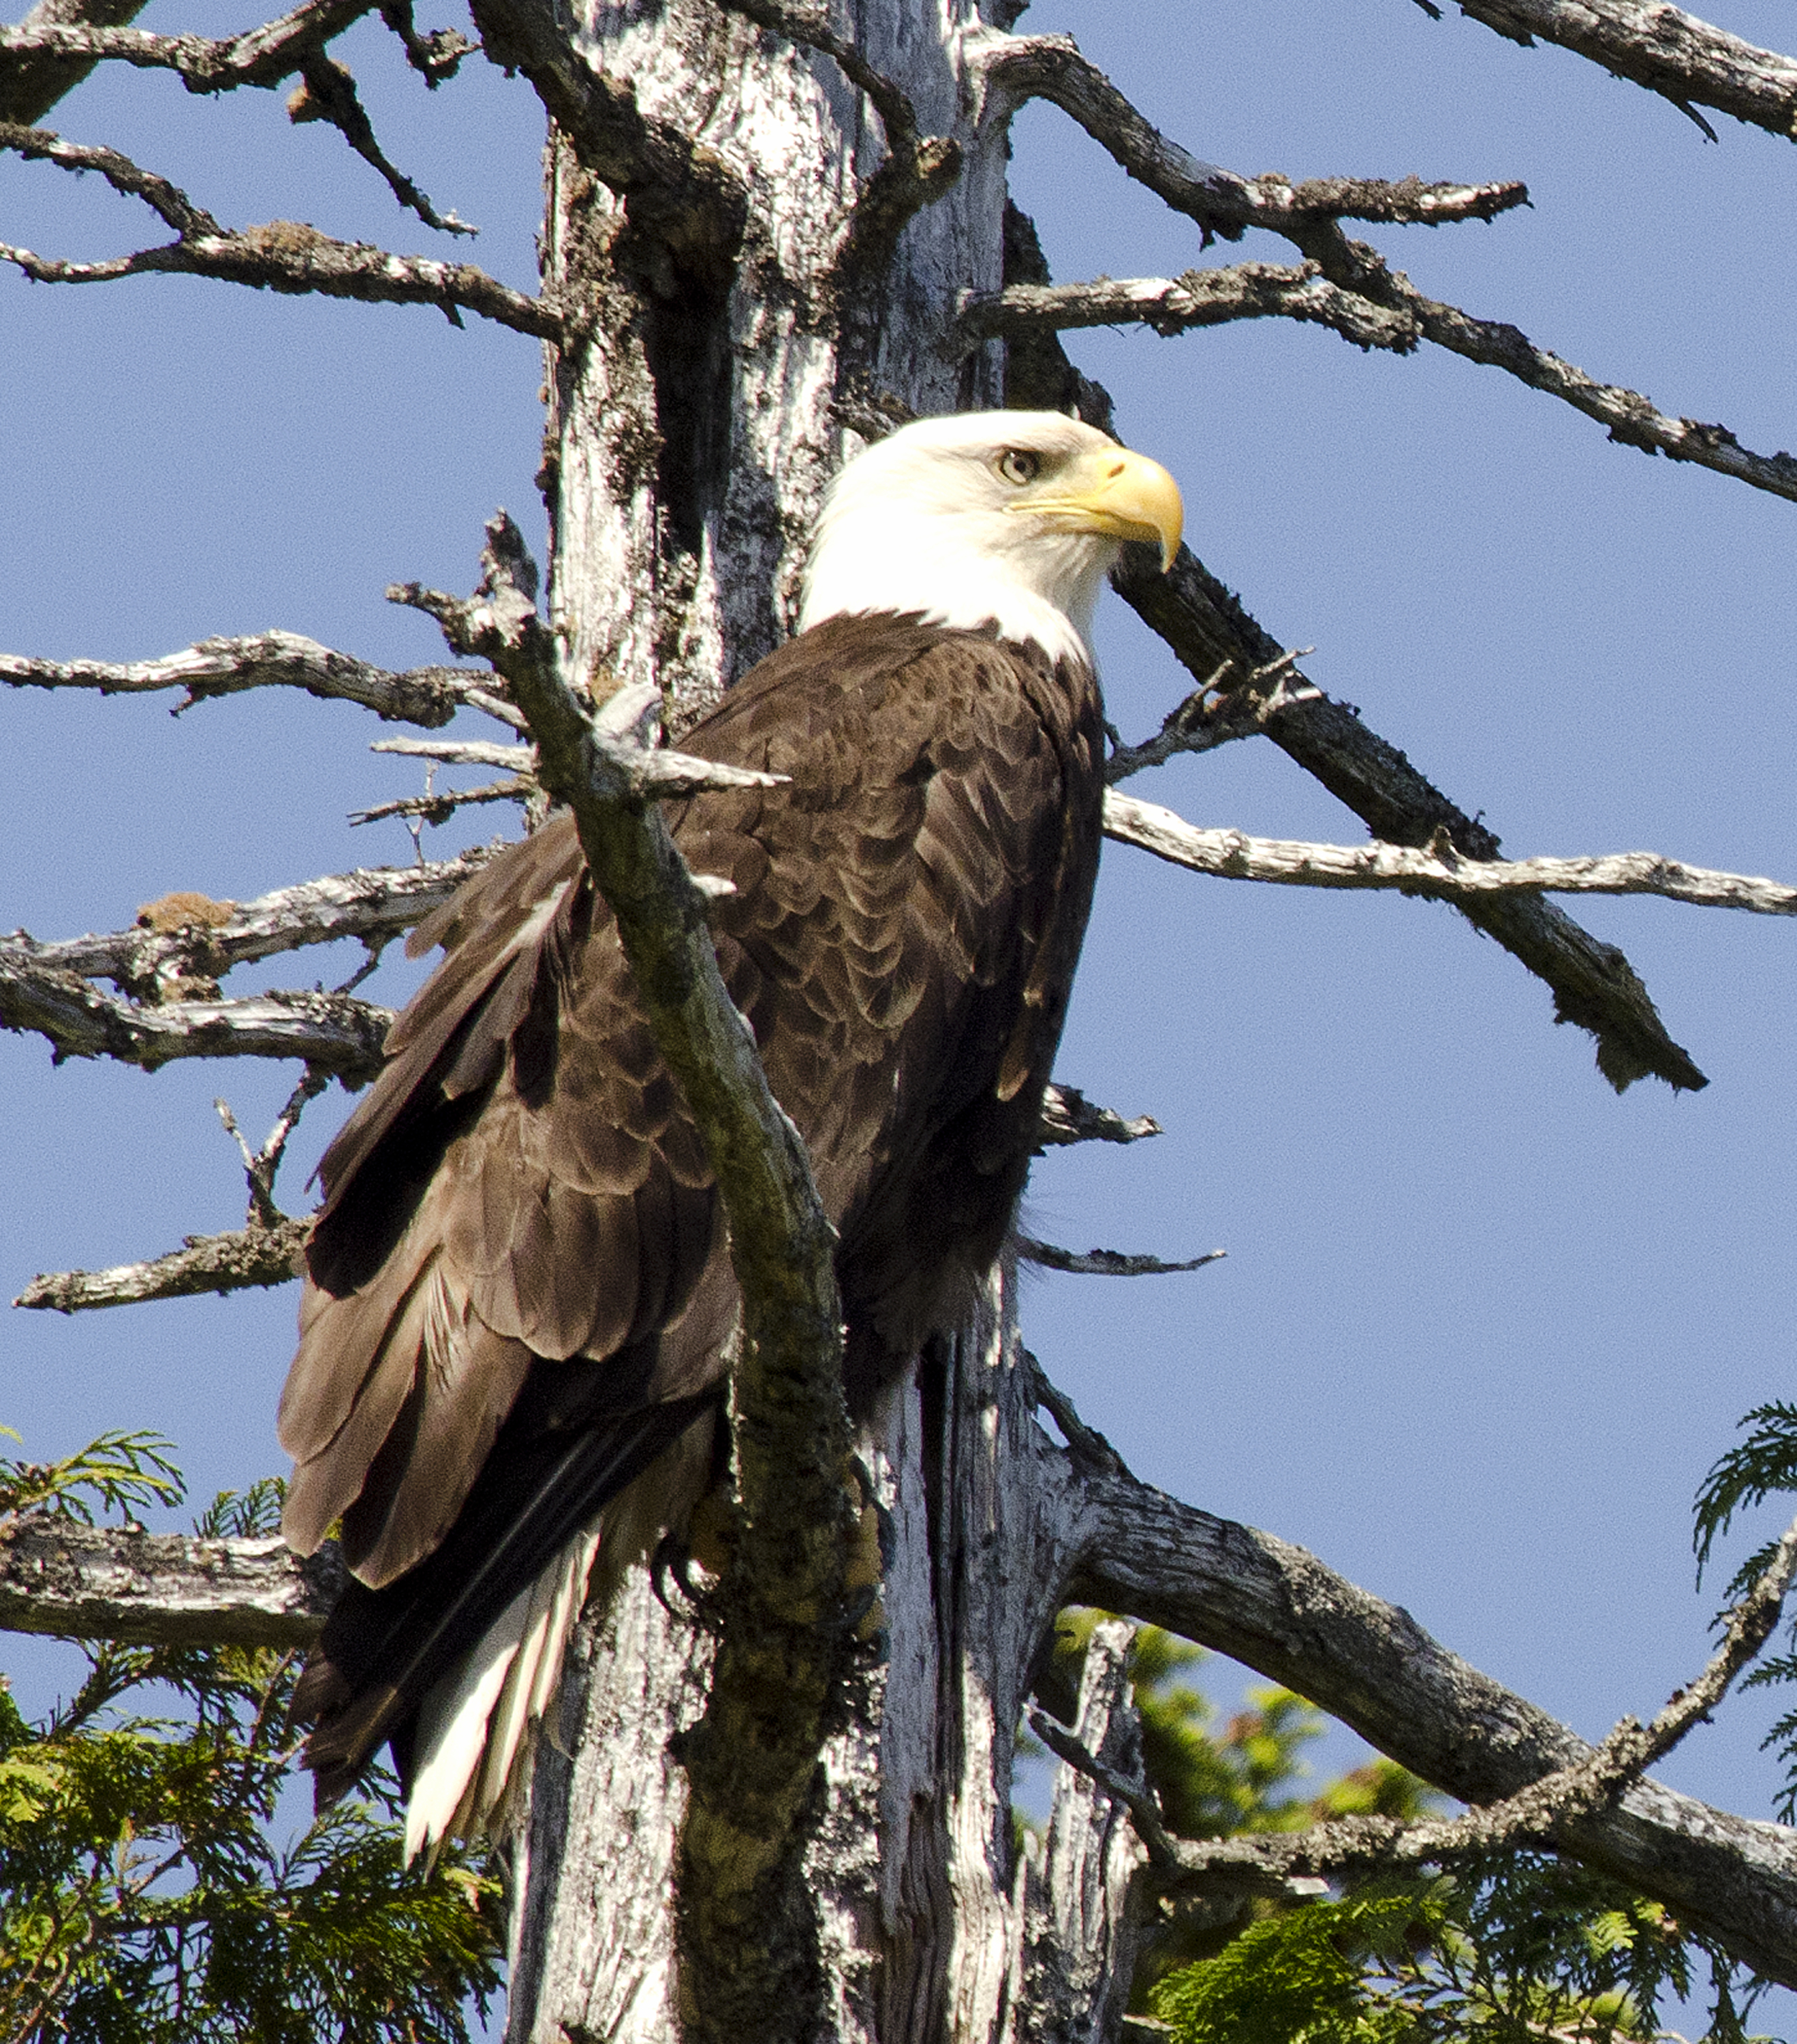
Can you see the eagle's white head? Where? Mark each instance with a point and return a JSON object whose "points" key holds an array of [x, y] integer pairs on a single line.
{"points": [[1006, 518]]}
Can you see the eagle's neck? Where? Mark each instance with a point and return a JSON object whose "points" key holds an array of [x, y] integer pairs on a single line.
{"points": [[1042, 595]]}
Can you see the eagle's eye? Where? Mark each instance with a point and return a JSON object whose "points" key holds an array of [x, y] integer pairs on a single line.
{"points": [[1019, 465]]}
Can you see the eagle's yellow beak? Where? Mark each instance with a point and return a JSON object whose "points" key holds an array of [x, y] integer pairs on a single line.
{"points": [[1114, 491]]}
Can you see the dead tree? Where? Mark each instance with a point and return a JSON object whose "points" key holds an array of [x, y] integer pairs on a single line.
{"points": [[771, 229]]}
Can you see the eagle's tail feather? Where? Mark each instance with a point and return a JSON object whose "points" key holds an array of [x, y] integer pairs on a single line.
{"points": [[474, 1727]]}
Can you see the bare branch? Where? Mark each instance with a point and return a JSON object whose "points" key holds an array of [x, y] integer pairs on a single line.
{"points": [[1630, 417], [370, 905], [1662, 49], [438, 808], [1106, 1262], [281, 256], [1592, 983], [1220, 710], [1630, 1749], [248, 1256], [31, 85], [1539, 1814], [328, 94], [1012, 69], [1198, 298], [429, 696], [1435, 869], [1069, 1117], [335, 1032], [1285, 1614], [1395, 317], [92, 1582], [259, 56], [460, 752]]}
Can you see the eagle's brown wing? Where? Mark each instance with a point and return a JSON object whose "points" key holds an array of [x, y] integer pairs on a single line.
{"points": [[518, 1285]]}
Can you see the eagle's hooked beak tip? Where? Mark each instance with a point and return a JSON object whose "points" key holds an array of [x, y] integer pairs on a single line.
{"points": [[1121, 493]]}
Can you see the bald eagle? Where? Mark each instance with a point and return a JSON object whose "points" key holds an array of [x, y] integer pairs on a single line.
{"points": [[518, 1303]]}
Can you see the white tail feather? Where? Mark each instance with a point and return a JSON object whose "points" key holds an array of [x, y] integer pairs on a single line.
{"points": [[474, 1725]]}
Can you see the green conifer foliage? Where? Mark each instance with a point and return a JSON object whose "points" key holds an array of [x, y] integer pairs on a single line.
{"points": [[150, 1891]]}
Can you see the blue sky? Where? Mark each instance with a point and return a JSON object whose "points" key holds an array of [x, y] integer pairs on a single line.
{"points": [[1484, 1325]]}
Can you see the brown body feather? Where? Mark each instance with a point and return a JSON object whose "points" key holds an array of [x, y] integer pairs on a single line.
{"points": [[518, 1294]]}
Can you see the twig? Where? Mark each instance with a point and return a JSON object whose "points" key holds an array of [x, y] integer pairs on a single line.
{"points": [[1069, 1117], [259, 56], [1106, 1262], [260, 1166], [1085, 1444], [438, 808], [460, 752], [1662, 49], [1216, 713], [281, 255], [255, 1256], [429, 696], [328, 94], [1628, 417]]}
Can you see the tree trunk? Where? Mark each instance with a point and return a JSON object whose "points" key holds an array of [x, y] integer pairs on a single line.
{"points": [[737, 336]]}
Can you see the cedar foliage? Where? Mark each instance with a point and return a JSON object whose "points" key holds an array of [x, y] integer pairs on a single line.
{"points": [[150, 1891]]}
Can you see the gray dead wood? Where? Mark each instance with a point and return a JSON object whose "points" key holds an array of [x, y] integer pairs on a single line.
{"points": [[1660, 48], [183, 938], [1435, 869], [89, 1582], [428, 696], [243, 1259], [1086, 1903]]}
